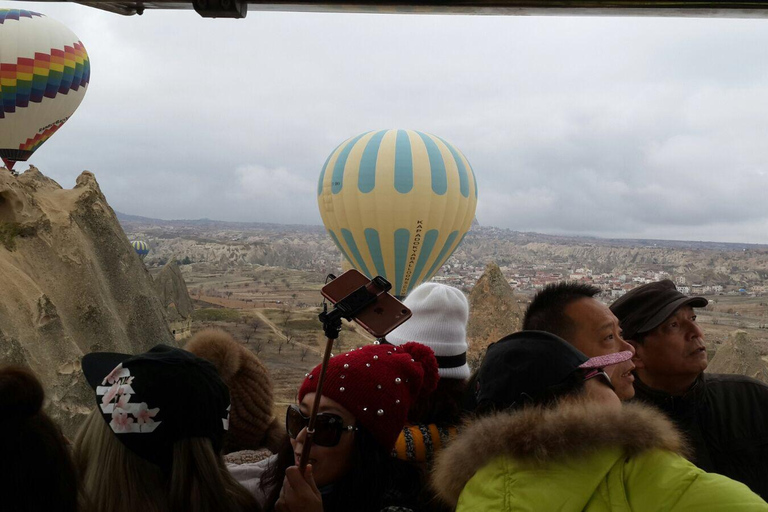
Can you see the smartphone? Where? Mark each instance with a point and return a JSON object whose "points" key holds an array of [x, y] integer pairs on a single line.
{"points": [[381, 317]]}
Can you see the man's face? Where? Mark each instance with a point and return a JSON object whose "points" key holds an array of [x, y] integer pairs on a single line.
{"points": [[598, 333], [675, 348]]}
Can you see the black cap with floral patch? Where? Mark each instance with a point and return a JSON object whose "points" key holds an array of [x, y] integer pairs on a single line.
{"points": [[154, 399]]}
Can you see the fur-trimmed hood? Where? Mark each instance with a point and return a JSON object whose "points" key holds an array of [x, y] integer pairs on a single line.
{"points": [[541, 435]]}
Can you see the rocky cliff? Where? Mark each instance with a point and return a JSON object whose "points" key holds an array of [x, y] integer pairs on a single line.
{"points": [[70, 283], [740, 354], [289, 252], [173, 293], [701, 262], [494, 311]]}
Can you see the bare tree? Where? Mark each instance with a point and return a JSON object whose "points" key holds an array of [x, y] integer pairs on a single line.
{"points": [[280, 348], [304, 352], [287, 332], [257, 348], [287, 314]]}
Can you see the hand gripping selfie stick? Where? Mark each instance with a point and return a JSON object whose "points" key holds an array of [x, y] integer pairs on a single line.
{"points": [[347, 308]]}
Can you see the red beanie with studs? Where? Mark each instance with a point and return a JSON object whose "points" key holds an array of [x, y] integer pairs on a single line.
{"points": [[378, 384]]}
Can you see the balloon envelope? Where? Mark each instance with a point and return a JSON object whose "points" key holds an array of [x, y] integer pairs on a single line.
{"points": [[141, 248], [44, 73], [397, 203]]}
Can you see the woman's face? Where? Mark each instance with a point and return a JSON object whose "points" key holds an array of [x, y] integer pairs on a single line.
{"points": [[328, 463]]}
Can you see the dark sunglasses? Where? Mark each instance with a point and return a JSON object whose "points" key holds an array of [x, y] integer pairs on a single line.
{"points": [[599, 372], [328, 427]]}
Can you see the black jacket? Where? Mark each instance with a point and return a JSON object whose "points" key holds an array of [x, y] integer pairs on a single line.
{"points": [[726, 420]]}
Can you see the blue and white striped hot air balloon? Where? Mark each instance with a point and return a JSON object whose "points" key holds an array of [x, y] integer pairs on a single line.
{"points": [[397, 203], [141, 248]]}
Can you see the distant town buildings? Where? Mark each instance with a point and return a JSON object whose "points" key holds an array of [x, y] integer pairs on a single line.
{"points": [[528, 279], [528, 261]]}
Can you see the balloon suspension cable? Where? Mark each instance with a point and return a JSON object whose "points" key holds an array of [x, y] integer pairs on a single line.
{"points": [[348, 308]]}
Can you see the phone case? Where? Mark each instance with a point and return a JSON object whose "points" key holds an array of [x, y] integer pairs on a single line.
{"points": [[380, 317]]}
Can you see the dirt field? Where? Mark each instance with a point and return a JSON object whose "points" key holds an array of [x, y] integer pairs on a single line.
{"points": [[728, 313], [273, 312]]}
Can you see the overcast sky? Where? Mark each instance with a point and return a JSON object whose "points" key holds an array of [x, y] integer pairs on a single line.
{"points": [[615, 127]]}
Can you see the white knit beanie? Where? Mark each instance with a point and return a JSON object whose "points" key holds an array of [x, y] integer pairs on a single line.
{"points": [[439, 321]]}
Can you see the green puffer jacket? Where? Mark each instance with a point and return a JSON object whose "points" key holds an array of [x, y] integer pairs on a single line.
{"points": [[580, 457]]}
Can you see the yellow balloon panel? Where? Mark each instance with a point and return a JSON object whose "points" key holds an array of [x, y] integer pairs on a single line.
{"points": [[397, 203]]}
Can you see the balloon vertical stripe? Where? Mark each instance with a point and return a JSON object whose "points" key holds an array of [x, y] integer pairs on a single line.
{"points": [[443, 254], [338, 244], [474, 178], [366, 180], [322, 176], [322, 173], [402, 241], [463, 179], [427, 247], [355, 251], [403, 163], [436, 163], [341, 162], [374, 246]]}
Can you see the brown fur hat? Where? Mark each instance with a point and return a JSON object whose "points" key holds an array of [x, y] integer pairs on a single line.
{"points": [[251, 423]]}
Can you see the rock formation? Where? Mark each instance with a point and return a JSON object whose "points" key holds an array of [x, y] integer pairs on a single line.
{"points": [[70, 284], [174, 295], [494, 311], [740, 354], [299, 253]]}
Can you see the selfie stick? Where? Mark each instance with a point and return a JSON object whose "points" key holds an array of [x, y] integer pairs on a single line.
{"points": [[348, 308]]}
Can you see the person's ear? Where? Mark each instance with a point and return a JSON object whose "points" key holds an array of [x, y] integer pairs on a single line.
{"points": [[637, 359]]}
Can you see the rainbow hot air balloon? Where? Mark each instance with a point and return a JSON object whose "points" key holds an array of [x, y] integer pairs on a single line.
{"points": [[141, 248], [397, 203], [44, 73]]}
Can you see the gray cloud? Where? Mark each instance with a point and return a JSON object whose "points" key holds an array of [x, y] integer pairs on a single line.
{"points": [[604, 126]]}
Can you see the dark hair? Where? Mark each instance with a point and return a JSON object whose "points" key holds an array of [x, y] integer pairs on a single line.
{"points": [[639, 338], [547, 310], [469, 400], [573, 384], [33, 449], [443, 406], [374, 481]]}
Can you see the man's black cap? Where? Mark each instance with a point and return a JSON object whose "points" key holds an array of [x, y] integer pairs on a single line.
{"points": [[521, 366], [646, 307], [154, 399]]}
